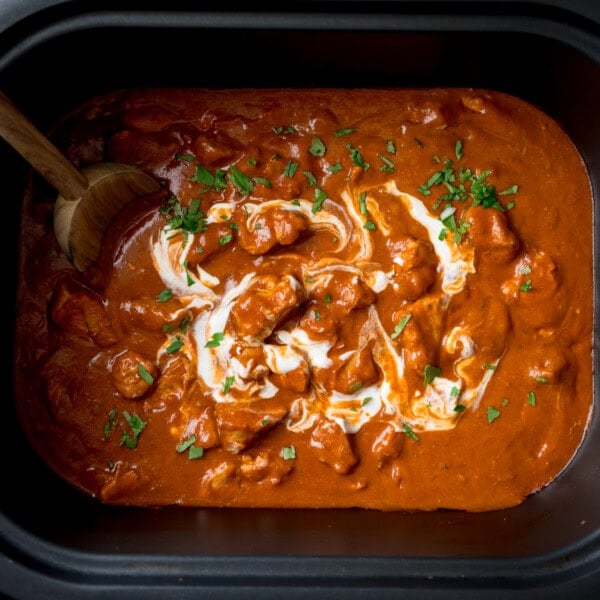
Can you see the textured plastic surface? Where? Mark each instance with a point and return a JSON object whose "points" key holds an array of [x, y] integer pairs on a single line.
{"points": [[57, 543]]}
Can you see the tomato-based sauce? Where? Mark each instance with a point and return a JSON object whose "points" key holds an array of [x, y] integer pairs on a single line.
{"points": [[340, 298]]}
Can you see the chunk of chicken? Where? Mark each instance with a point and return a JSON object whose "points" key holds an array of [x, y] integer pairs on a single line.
{"points": [[332, 446], [132, 374], [491, 235], [273, 226], [415, 267], [81, 312], [359, 371], [240, 425], [266, 302]]}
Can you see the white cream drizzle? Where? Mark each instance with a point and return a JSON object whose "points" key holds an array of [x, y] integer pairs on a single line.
{"points": [[432, 408]]}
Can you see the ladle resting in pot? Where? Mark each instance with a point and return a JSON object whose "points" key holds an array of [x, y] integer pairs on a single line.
{"points": [[88, 200]]}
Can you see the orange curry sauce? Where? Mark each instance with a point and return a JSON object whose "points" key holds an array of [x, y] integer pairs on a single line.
{"points": [[342, 298]]}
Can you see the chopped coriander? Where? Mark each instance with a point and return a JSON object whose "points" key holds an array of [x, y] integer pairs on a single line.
{"points": [[144, 374], [185, 156], [228, 383], [355, 387], [183, 325], [489, 366], [240, 180], [264, 422], [168, 327], [225, 239], [362, 203], [295, 202], [214, 181], [402, 323], [199, 249], [531, 399], [541, 379], [165, 295], [460, 408], [111, 423], [251, 161], [183, 446], [435, 179], [290, 168], [204, 176], [215, 340], [195, 452], [409, 432], [320, 197], [288, 453], [334, 168], [188, 277], [190, 219], [327, 298], [370, 225], [442, 235], [137, 426], [458, 230], [504, 401], [366, 400], [388, 165], [175, 345], [356, 157], [343, 132], [527, 286], [454, 392], [262, 181], [312, 180], [284, 129], [317, 147], [234, 226], [317, 314], [458, 149], [430, 372], [390, 146], [492, 414], [513, 189]]}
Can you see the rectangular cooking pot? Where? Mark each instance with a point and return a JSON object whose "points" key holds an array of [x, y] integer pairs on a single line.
{"points": [[57, 543]]}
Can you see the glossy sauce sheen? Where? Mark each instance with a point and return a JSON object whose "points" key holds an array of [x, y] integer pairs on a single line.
{"points": [[343, 298]]}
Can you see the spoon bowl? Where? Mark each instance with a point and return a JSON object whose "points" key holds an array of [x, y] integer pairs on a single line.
{"points": [[88, 200]]}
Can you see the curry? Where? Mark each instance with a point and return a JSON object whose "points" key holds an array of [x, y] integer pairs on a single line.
{"points": [[376, 298]]}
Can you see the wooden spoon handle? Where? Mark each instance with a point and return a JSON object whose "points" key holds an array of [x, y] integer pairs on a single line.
{"points": [[39, 152]]}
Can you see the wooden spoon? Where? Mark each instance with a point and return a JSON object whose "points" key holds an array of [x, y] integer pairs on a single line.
{"points": [[88, 199]]}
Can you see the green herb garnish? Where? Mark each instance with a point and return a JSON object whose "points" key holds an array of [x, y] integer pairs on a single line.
{"points": [[288, 452], [492, 414], [402, 323], [137, 426], [430, 373], [175, 345], [409, 432], [240, 180], [144, 374], [165, 295], [215, 340], [317, 147]]}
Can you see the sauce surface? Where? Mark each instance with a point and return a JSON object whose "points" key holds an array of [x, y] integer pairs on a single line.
{"points": [[341, 298]]}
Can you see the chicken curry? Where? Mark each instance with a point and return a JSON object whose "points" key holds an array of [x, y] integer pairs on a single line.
{"points": [[376, 298]]}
